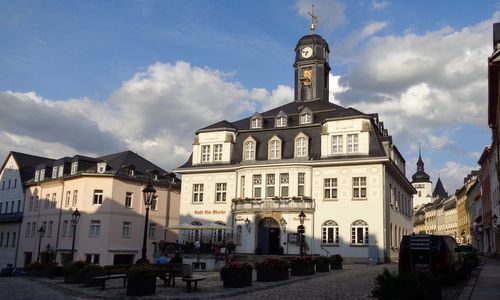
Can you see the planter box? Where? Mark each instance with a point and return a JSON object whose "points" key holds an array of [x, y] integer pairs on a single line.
{"points": [[323, 267], [141, 286], [302, 268], [270, 274], [237, 277]]}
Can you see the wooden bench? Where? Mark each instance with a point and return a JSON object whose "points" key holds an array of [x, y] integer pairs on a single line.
{"points": [[113, 272], [191, 279], [168, 272]]}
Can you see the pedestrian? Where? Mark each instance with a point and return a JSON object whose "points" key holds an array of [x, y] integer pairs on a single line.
{"points": [[197, 246]]}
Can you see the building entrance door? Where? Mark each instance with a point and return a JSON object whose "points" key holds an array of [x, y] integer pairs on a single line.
{"points": [[269, 236]]}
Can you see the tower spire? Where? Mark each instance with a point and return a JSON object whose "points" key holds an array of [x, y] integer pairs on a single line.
{"points": [[314, 20]]}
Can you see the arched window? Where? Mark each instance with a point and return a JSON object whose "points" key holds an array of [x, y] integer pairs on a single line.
{"points": [[274, 148], [195, 234], [219, 235], [330, 233], [359, 233], [249, 149], [301, 145]]}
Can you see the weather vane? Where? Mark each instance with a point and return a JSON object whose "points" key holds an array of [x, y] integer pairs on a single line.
{"points": [[314, 21]]}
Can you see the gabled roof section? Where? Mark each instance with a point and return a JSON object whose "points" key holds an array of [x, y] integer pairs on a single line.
{"points": [[142, 165], [219, 126], [439, 191], [27, 163]]}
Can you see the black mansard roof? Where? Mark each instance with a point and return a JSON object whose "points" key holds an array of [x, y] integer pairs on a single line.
{"points": [[321, 111], [27, 164]]}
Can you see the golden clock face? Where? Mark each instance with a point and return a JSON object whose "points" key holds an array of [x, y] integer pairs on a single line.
{"points": [[306, 52]]}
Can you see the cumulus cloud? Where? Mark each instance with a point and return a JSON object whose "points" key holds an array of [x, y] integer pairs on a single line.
{"points": [[155, 113], [454, 173], [379, 4], [330, 12]]}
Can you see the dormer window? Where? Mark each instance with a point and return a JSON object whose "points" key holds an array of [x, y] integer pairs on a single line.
{"points": [[249, 147], [74, 167], [42, 174], [37, 175], [60, 170], [205, 153], [131, 172], [274, 147], [306, 116], [281, 119], [256, 121], [101, 168], [54, 172]]}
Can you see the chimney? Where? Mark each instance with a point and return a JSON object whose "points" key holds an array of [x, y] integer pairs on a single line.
{"points": [[496, 35]]}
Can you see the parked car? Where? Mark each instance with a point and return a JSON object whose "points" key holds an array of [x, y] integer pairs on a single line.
{"points": [[430, 253]]}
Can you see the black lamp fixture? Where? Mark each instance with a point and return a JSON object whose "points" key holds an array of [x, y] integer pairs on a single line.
{"points": [[41, 233], [75, 218], [149, 193], [495, 220], [248, 225], [301, 231]]}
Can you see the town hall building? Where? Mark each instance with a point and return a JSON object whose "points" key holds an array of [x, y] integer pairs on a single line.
{"points": [[335, 164]]}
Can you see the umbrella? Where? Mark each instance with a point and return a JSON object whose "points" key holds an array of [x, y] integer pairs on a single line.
{"points": [[210, 226]]}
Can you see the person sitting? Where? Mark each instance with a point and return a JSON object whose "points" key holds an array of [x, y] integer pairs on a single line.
{"points": [[162, 260]]}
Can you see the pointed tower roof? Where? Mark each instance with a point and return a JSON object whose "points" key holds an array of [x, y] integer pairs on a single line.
{"points": [[439, 191], [420, 175]]}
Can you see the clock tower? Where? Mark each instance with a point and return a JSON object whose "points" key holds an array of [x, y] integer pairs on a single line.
{"points": [[311, 68]]}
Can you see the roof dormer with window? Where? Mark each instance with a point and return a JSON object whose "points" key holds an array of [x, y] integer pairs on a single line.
{"points": [[280, 120], [306, 116], [256, 121], [342, 137], [213, 147]]}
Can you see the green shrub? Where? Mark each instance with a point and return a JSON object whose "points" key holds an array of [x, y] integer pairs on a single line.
{"points": [[406, 286]]}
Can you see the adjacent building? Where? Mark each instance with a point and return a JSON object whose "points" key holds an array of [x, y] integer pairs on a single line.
{"points": [[107, 191], [16, 169], [337, 165]]}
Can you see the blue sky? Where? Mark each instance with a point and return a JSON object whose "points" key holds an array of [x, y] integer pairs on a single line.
{"points": [[94, 77]]}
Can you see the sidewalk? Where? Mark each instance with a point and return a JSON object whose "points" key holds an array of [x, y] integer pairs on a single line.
{"points": [[486, 285]]}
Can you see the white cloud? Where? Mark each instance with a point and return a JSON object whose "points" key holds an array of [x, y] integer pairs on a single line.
{"points": [[379, 4], [453, 174], [155, 114]]}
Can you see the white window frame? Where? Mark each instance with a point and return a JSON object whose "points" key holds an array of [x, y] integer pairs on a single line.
{"points": [[74, 167], [219, 235], [126, 228], [61, 171], [359, 189], [330, 190], [301, 145], [257, 186], [359, 233], [95, 228], [220, 192], [284, 184], [152, 231], [54, 172], [242, 186], [352, 143], [198, 193], [37, 178], [249, 150], [337, 144], [218, 152], [330, 233], [154, 203], [42, 174], [128, 199], [281, 121], [256, 123], [97, 198], [205, 153], [270, 185], [75, 198], [274, 149], [306, 118], [54, 200], [301, 183]]}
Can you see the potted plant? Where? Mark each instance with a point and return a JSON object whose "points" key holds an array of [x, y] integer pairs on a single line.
{"points": [[272, 270], [336, 262], [302, 266], [322, 264], [141, 280], [236, 274]]}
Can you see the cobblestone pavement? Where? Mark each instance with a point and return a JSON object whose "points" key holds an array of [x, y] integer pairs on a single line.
{"points": [[353, 282]]}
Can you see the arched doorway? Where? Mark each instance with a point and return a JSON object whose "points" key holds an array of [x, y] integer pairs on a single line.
{"points": [[269, 236]]}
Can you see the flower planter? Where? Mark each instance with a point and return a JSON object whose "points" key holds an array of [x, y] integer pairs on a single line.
{"points": [[322, 267], [271, 274], [141, 286], [302, 268], [236, 277]]}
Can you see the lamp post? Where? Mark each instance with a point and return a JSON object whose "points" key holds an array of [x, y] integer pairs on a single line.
{"points": [[41, 233], [149, 192], [301, 230], [248, 226], [75, 218]]}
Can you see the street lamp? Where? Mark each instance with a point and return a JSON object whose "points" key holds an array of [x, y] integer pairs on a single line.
{"points": [[301, 231], [149, 192], [495, 220], [283, 224], [41, 233], [75, 218]]}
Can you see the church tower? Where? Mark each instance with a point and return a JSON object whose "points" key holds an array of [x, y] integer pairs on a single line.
{"points": [[422, 183], [311, 67]]}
